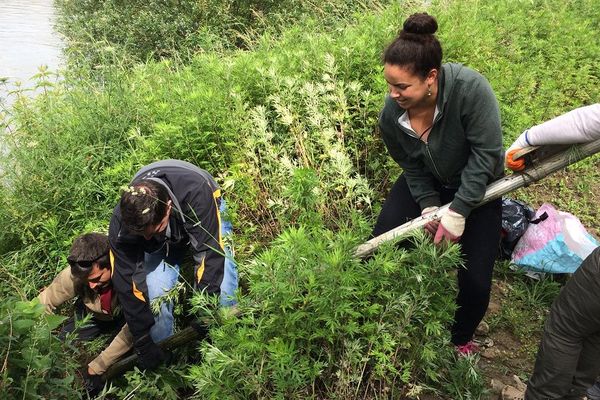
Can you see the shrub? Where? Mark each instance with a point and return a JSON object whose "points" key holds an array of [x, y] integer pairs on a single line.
{"points": [[35, 363], [100, 32], [318, 323]]}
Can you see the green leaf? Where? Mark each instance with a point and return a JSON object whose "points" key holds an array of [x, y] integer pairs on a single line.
{"points": [[54, 321], [23, 324]]}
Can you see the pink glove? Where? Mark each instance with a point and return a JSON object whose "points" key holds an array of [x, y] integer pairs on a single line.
{"points": [[432, 226], [452, 226]]}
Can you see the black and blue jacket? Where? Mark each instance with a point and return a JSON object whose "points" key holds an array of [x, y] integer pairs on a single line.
{"points": [[194, 224]]}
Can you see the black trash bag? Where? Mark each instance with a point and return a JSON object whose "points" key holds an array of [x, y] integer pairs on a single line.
{"points": [[516, 217]]}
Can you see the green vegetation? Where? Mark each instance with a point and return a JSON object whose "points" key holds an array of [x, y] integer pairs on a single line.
{"points": [[285, 116], [100, 32], [525, 307], [34, 361], [318, 324]]}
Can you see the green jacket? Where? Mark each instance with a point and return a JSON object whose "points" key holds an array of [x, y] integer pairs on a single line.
{"points": [[464, 148]]}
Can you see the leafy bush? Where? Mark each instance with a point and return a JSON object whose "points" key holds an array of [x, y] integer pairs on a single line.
{"points": [[165, 384], [102, 31], [318, 323], [59, 173], [72, 148], [35, 363], [72, 151], [289, 136]]}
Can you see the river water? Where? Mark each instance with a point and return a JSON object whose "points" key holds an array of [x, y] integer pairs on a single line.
{"points": [[27, 41]]}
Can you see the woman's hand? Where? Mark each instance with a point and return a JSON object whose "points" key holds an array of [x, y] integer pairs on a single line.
{"points": [[432, 226], [452, 226]]}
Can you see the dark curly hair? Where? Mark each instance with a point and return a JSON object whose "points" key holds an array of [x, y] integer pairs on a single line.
{"points": [[143, 204], [85, 251], [416, 46]]}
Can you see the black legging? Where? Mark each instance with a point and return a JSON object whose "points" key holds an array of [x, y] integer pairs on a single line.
{"points": [[479, 245]]}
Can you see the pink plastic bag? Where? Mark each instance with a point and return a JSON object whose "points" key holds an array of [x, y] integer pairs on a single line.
{"points": [[558, 244]]}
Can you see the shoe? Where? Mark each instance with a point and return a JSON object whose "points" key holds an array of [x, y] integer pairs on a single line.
{"points": [[593, 393], [467, 349]]}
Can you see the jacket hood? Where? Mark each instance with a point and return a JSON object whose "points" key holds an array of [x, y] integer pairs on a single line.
{"points": [[447, 76]]}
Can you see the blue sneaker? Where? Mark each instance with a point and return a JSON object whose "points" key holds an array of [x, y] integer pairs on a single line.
{"points": [[593, 393]]}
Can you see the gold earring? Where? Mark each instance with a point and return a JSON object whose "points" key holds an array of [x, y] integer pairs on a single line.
{"points": [[428, 90]]}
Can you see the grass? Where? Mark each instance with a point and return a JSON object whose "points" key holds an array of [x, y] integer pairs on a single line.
{"points": [[516, 317]]}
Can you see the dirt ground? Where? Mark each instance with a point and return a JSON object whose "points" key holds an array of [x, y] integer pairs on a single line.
{"points": [[503, 354]]}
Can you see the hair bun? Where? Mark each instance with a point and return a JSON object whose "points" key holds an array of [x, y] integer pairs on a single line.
{"points": [[420, 23]]}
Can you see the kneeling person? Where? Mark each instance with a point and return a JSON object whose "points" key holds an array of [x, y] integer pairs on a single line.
{"points": [[171, 207], [88, 278]]}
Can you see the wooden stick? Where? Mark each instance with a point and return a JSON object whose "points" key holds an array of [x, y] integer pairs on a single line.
{"points": [[180, 338], [495, 190]]}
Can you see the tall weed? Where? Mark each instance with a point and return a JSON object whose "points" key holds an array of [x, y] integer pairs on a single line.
{"points": [[34, 362], [318, 323]]}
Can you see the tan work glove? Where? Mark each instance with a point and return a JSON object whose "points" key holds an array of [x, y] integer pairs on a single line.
{"points": [[432, 226], [452, 226]]}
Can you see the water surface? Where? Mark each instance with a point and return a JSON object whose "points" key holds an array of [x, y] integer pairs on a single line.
{"points": [[27, 41]]}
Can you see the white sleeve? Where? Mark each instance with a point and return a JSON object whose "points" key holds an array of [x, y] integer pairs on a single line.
{"points": [[578, 126]]}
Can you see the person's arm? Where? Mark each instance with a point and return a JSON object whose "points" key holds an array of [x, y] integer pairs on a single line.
{"points": [[481, 118], [60, 290], [580, 125], [129, 278], [481, 122], [204, 228], [120, 345]]}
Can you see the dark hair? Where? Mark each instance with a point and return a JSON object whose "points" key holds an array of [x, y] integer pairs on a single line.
{"points": [[416, 46], [87, 249], [143, 204]]}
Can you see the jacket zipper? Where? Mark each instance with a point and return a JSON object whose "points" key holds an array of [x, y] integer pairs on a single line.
{"points": [[434, 164], [437, 171], [437, 118]]}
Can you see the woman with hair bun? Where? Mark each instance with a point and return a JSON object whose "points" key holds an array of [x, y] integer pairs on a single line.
{"points": [[441, 124]]}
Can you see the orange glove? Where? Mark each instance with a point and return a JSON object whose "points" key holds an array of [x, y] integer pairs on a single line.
{"points": [[515, 165]]}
